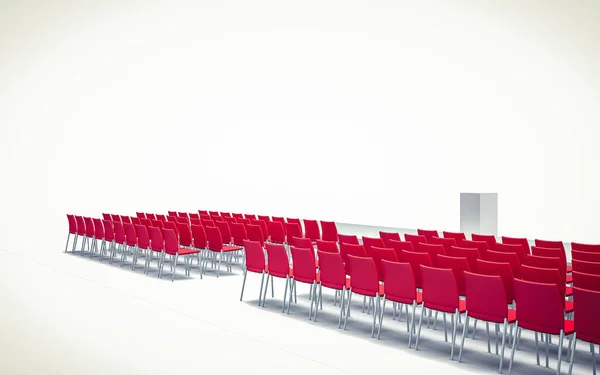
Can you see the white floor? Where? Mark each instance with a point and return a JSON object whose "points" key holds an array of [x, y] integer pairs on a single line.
{"points": [[64, 314]]}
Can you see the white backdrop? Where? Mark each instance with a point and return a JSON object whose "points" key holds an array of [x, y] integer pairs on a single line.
{"points": [[371, 112]]}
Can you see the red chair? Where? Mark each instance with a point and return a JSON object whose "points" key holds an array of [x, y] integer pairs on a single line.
{"points": [[542, 246], [302, 243], [225, 232], [379, 254], [354, 250], [148, 216], [457, 236], [511, 258], [305, 272], [203, 212], [546, 262], [364, 281], [510, 248], [490, 239], [433, 250], [586, 281], [276, 232], [225, 214], [472, 255], [98, 236], [586, 256], [415, 240], [264, 218], [255, 234], [293, 230], [369, 242], [427, 233], [136, 221], [194, 216], [172, 219], [447, 243], [547, 276], [482, 246], [588, 248], [400, 287], [416, 260], [548, 252], [550, 244], [237, 216], [130, 241], [171, 213], [184, 220], [185, 214], [517, 241], [281, 220], [158, 217], [387, 236], [458, 265], [115, 217], [119, 240], [503, 270], [185, 235], [327, 246], [157, 246], [541, 310], [158, 223], [312, 230], [586, 322], [143, 244], [89, 233], [215, 246], [440, 293], [485, 300], [329, 231], [347, 238], [297, 222], [208, 223], [170, 225], [400, 246], [215, 214], [239, 234], [72, 231], [586, 267], [332, 275], [263, 227], [254, 261], [109, 237], [173, 249], [278, 266], [141, 215]]}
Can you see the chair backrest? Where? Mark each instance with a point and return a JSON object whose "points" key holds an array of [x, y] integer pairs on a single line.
{"points": [[540, 306], [194, 221], [143, 238], [157, 223], [185, 234], [171, 218], [238, 216], [89, 227], [203, 212], [348, 238], [293, 230], [301, 243], [208, 223], [264, 218], [182, 219], [115, 217], [433, 250], [149, 216], [327, 246], [369, 242], [586, 281], [329, 231], [294, 220], [199, 236], [511, 258], [586, 267], [171, 213], [276, 232], [141, 215], [428, 233], [589, 248], [184, 214], [586, 256], [98, 228], [464, 252], [312, 229], [119, 232], [544, 275], [194, 216], [386, 236], [364, 279], [224, 230], [161, 217], [550, 244], [255, 256], [586, 314], [304, 264], [214, 238], [136, 221], [130, 234], [239, 234], [109, 230], [171, 246], [72, 224], [156, 239], [457, 236], [228, 219], [331, 270], [146, 222], [263, 227], [381, 253], [255, 234], [347, 249], [489, 238], [546, 262], [440, 292], [205, 217], [447, 243], [510, 248], [125, 219], [458, 265], [225, 214], [214, 214], [400, 246], [517, 241], [486, 297], [416, 260], [278, 219], [550, 252], [499, 269], [415, 239], [482, 246], [399, 281], [278, 261]]}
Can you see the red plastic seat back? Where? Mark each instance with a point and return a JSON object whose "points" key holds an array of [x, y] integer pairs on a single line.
{"points": [[588, 248], [457, 236], [109, 230], [348, 238], [586, 267], [89, 227], [255, 234], [171, 213], [458, 265], [171, 246], [156, 239], [399, 282], [214, 214], [149, 216], [225, 214], [208, 223], [517, 241], [264, 218], [472, 255], [146, 222], [503, 270], [490, 239], [213, 238], [185, 214], [550, 244], [238, 232], [510, 248], [440, 292], [369, 242], [142, 237], [327, 246], [301, 243], [364, 279], [482, 246], [546, 262], [203, 212], [447, 243], [381, 253], [72, 224], [158, 223], [304, 264], [312, 230], [250, 217], [415, 240], [277, 260], [171, 219], [119, 232], [106, 216], [170, 225], [387, 236], [295, 221], [329, 231], [125, 219], [228, 219], [276, 232], [544, 275], [416, 260], [347, 249], [136, 221], [182, 220], [433, 250], [540, 306], [428, 234], [255, 256], [185, 235], [400, 246], [130, 234], [281, 220], [549, 252], [586, 256], [194, 216], [225, 231], [586, 315], [293, 230], [586, 281], [98, 229], [486, 297], [199, 236], [238, 216], [116, 217], [511, 258], [331, 270], [158, 217]]}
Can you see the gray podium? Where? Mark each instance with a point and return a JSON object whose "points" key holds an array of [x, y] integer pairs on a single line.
{"points": [[479, 213]]}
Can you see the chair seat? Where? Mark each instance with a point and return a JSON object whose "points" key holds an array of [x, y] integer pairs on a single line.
{"points": [[569, 327], [279, 274], [569, 291], [569, 268], [512, 316], [187, 251], [569, 306], [228, 248], [569, 279], [462, 306]]}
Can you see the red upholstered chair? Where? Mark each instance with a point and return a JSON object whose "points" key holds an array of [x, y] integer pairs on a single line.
{"points": [[586, 281]]}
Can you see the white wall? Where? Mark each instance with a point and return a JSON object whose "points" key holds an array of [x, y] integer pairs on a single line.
{"points": [[374, 112]]}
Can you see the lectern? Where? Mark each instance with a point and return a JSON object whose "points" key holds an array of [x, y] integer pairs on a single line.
{"points": [[479, 213]]}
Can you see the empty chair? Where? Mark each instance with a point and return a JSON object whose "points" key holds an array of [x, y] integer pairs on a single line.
{"points": [[72, 229], [203, 212], [171, 213], [489, 238], [440, 293], [214, 214], [433, 250], [416, 260], [548, 276], [588, 248], [208, 223], [503, 270], [329, 231], [225, 214], [327, 246], [541, 310], [517, 241], [586, 322], [276, 232], [157, 247], [130, 241], [347, 249], [278, 266], [586, 256], [586, 267], [228, 219], [143, 244], [119, 240], [510, 248], [415, 240], [109, 237], [89, 233], [511, 258], [296, 221], [472, 255], [254, 261], [546, 262], [281, 220], [136, 221], [364, 281], [148, 216], [301, 243], [347, 238], [586, 281], [551, 253], [379, 254], [293, 230], [485, 301], [125, 219], [225, 232], [263, 227], [369, 242], [558, 245], [182, 220], [118, 217], [400, 287], [427, 233], [172, 218], [332, 274], [239, 234], [458, 265], [185, 235], [194, 221], [216, 247], [194, 216], [255, 234], [158, 223], [400, 246], [305, 272], [184, 214], [98, 236], [312, 229], [482, 246], [264, 218], [238, 216], [387, 236], [457, 236], [447, 243], [158, 217], [173, 249]]}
